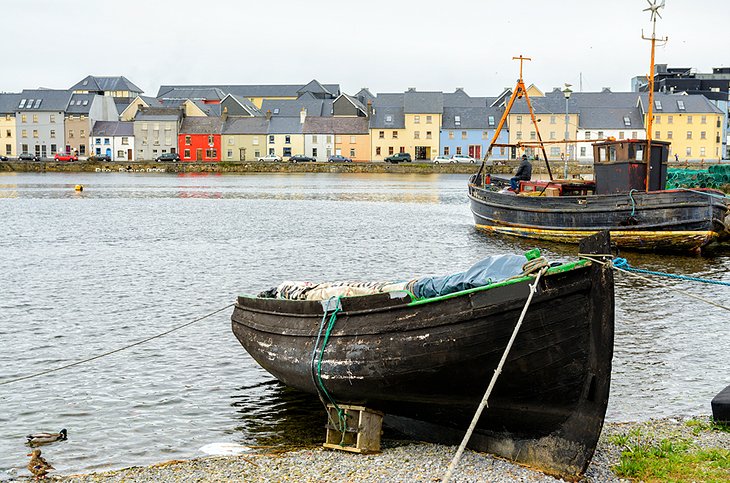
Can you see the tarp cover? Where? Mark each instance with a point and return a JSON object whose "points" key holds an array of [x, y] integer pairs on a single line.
{"points": [[489, 270]]}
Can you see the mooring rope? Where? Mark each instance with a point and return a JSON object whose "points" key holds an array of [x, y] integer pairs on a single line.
{"points": [[711, 195], [622, 263], [668, 287], [497, 372], [120, 349]]}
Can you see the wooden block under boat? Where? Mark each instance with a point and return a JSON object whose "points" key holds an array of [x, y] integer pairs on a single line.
{"points": [[363, 427]]}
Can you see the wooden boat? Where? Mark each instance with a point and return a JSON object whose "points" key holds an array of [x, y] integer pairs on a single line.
{"points": [[618, 201], [426, 363]]}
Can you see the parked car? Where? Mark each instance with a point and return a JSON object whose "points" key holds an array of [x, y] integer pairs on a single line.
{"points": [[338, 159], [270, 157], [398, 157], [441, 159], [300, 158], [100, 157], [3, 158], [66, 157], [28, 157], [168, 157], [462, 158]]}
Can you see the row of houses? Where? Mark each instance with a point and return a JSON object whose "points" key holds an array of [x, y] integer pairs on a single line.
{"points": [[110, 116]]}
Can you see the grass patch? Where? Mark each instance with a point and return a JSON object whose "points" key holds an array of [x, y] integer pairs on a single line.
{"points": [[669, 460], [698, 426]]}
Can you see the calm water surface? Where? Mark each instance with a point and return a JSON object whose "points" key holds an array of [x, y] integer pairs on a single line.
{"points": [[134, 255]]}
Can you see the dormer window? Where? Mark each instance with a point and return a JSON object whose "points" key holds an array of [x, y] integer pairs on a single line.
{"points": [[491, 121], [658, 105], [86, 103], [37, 103], [388, 118], [457, 120], [680, 105], [627, 121], [276, 110], [22, 104]]}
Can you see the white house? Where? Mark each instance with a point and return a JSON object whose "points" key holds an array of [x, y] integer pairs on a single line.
{"points": [[114, 139]]}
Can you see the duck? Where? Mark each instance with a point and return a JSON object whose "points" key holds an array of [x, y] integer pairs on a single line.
{"points": [[38, 465], [45, 438]]}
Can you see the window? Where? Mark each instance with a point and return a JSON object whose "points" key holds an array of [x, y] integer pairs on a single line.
{"points": [[388, 118], [82, 148], [680, 105], [8, 149], [416, 135], [188, 140], [518, 120], [658, 105], [120, 153], [96, 140], [8, 133], [582, 151], [627, 121], [390, 150], [53, 118], [186, 154], [21, 106], [211, 140], [485, 134], [552, 134], [35, 118], [428, 134], [255, 141], [490, 121], [657, 135], [314, 152], [314, 138], [554, 152], [451, 134], [329, 139], [53, 133], [24, 134], [125, 141], [144, 141], [702, 152], [352, 152], [257, 154], [338, 139], [669, 134], [82, 133], [634, 135], [657, 119], [417, 119], [229, 154], [276, 110], [458, 149], [588, 134], [212, 153], [703, 120], [381, 135], [463, 134], [518, 135], [429, 119], [457, 120], [446, 150], [670, 119], [377, 151], [23, 148], [230, 141], [689, 134], [689, 119], [271, 139], [533, 135], [395, 134], [35, 133], [352, 140], [23, 118], [620, 134], [703, 135], [144, 126], [106, 141], [600, 134], [689, 151]]}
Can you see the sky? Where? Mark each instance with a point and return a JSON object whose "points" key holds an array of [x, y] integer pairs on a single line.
{"points": [[387, 46]]}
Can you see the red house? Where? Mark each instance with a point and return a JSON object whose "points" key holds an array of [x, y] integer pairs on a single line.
{"points": [[200, 139]]}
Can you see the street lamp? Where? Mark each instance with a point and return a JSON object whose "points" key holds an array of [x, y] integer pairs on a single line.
{"points": [[566, 92]]}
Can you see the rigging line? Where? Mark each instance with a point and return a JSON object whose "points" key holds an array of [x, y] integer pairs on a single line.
{"points": [[668, 287], [712, 195], [99, 356]]}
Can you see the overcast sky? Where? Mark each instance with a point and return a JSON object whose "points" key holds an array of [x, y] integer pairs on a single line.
{"points": [[386, 46]]}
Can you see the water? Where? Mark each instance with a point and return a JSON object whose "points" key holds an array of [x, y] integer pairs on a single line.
{"points": [[134, 255]]}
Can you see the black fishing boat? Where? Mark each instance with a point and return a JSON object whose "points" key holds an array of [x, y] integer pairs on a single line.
{"points": [[639, 213], [426, 362]]}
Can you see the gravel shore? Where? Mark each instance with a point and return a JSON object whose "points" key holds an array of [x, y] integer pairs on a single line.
{"points": [[400, 461]]}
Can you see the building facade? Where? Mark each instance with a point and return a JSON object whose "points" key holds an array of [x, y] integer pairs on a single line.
{"points": [[156, 132], [244, 138], [39, 119], [8, 135], [200, 139], [114, 139]]}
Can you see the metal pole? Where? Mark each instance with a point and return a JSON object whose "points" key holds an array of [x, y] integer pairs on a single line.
{"points": [[565, 168]]}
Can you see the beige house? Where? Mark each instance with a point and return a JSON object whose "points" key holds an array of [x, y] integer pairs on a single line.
{"points": [[8, 132], [82, 112], [244, 138]]}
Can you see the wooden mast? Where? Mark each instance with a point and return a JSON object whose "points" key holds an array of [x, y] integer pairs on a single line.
{"points": [[519, 91], [654, 9]]}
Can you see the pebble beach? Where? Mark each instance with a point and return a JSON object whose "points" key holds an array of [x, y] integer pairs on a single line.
{"points": [[400, 461]]}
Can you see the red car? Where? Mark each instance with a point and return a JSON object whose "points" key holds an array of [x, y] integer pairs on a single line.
{"points": [[66, 157]]}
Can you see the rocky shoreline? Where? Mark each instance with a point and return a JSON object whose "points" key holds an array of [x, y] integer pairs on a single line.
{"points": [[408, 461]]}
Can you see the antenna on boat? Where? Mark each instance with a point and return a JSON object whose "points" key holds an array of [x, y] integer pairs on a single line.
{"points": [[519, 91], [654, 7]]}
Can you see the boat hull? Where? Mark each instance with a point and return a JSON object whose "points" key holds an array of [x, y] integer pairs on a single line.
{"points": [[671, 220], [427, 364]]}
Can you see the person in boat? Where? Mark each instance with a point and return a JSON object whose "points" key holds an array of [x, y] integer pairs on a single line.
{"points": [[523, 173]]}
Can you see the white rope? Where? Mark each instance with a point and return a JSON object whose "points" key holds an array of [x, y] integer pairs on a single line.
{"points": [[497, 372]]}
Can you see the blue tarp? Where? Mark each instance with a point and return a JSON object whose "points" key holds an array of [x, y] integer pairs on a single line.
{"points": [[489, 270]]}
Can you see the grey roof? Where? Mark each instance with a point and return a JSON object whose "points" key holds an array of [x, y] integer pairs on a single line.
{"points": [[388, 112], [284, 90], [246, 103], [193, 93], [9, 102], [356, 102], [415, 102], [201, 125], [285, 125], [105, 83], [80, 103], [315, 87], [335, 125], [607, 110], [246, 125], [692, 103], [209, 109], [292, 107], [470, 117], [552, 103], [43, 100], [364, 95], [112, 128], [459, 98]]}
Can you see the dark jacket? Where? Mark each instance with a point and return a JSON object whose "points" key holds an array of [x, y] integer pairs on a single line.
{"points": [[524, 171]]}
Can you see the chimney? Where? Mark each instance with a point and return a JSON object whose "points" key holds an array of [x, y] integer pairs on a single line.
{"points": [[224, 115], [606, 89], [302, 115], [459, 89], [268, 115], [370, 109], [411, 89]]}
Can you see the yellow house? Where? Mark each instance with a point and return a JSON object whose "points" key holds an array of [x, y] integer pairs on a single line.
{"points": [[8, 103], [550, 116], [285, 137], [244, 138], [690, 122]]}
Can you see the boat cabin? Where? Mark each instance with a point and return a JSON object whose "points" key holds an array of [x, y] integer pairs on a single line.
{"points": [[621, 166]]}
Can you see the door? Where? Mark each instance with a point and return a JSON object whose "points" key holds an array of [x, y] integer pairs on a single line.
{"points": [[242, 154], [477, 152], [471, 151], [129, 154], [109, 152], [199, 154]]}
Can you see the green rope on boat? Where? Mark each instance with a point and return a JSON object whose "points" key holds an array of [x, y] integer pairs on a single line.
{"points": [[342, 422]]}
